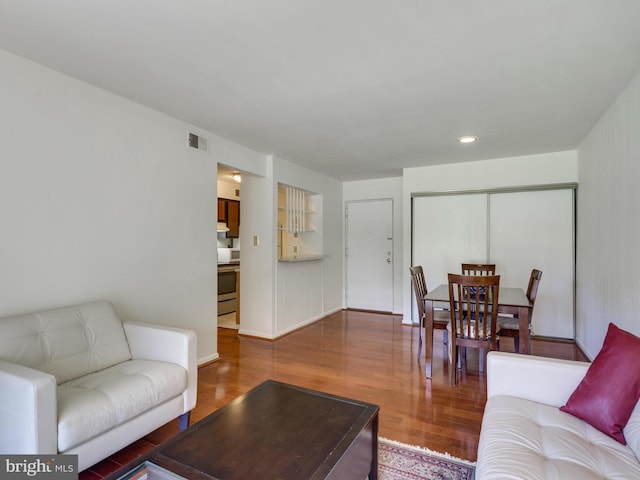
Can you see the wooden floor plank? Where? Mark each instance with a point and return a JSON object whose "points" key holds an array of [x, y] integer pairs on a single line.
{"points": [[362, 355]]}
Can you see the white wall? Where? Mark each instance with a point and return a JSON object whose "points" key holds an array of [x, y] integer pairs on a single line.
{"points": [[278, 297], [101, 198], [608, 261], [551, 168], [228, 189], [377, 189], [257, 265], [310, 290]]}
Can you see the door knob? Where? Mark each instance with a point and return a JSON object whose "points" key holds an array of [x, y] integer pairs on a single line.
{"points": [[388, 260]]}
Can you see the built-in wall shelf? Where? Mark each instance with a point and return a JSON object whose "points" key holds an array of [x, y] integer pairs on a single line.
{"points": [[299, 214]]}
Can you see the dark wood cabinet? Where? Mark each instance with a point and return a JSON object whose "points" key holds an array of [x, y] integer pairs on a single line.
{"points": [[233, 218], [229, 213], [222, 210]]}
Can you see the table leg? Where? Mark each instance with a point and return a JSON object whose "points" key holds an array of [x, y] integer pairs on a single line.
{"points": [[428, 336], [523, 324], [373, 473]]}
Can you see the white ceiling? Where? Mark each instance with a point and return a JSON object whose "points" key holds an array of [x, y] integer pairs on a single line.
{"points": [[353, 89]]}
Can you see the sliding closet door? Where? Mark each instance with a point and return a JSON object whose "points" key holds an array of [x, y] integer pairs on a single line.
{"points": [[448, 230], [534, 229], [518, 231]]}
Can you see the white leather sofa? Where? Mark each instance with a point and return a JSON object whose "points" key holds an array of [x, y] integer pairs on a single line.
{"points": [[77, 380], [524, 434]]}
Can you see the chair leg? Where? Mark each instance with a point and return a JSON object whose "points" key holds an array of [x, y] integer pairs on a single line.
{"points": [[420, 327], [462, 357], [183, 420], [453, 368], [516, 344]]}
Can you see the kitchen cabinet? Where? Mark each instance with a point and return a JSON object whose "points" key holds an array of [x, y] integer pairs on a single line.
{"points": [[222, 210], [233, 218], [229, 213]]}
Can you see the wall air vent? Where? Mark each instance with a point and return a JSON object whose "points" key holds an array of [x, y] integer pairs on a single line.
{"points": [[197, 142]]}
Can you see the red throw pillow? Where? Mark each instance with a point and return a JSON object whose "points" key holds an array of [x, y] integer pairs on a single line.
{"points": [[611, 387]]}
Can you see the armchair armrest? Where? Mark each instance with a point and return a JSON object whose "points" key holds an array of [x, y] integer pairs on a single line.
{"points": [[28, 410], [545, 380], [166, 344]]}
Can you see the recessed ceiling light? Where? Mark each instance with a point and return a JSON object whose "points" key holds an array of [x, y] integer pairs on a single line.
{"points": [[467, 139]]}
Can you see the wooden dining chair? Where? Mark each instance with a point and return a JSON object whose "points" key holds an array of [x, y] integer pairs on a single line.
{"points": [[478, 269], [474, 317], [440, 317], [509, 326]]}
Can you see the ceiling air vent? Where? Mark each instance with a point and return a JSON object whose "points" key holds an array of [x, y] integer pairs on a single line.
{"points": [[197, 142]]}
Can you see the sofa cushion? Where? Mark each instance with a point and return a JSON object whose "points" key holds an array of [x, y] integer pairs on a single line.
{"points": [[529, 440], [631, 431], [610, 390], [91, 405], [66, 342]]}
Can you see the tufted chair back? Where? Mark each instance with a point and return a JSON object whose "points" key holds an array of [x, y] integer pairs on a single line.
{"points": [[66, 342]]}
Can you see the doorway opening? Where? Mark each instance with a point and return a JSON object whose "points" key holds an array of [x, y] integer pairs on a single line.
{"points": [[228, 245]]}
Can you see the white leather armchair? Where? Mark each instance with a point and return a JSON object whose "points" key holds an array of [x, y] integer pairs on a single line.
{"points": [[77, 380]]}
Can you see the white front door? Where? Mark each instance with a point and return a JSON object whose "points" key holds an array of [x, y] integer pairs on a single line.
{"points": [[369, 255]]}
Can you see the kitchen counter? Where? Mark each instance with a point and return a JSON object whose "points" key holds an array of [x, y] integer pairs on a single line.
{"points": [[302, 258], [228, 267]]}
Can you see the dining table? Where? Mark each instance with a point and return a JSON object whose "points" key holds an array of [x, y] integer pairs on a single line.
{"points": [[511, 301]]}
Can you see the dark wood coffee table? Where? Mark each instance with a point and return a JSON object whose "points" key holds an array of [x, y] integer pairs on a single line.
{"points": [[274, 431]]}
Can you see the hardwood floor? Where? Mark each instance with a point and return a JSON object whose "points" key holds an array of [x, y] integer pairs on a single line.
{"points": [[363, 355]]}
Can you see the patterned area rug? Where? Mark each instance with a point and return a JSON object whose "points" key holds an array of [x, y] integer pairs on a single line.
{"points": [[398, 461]]}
